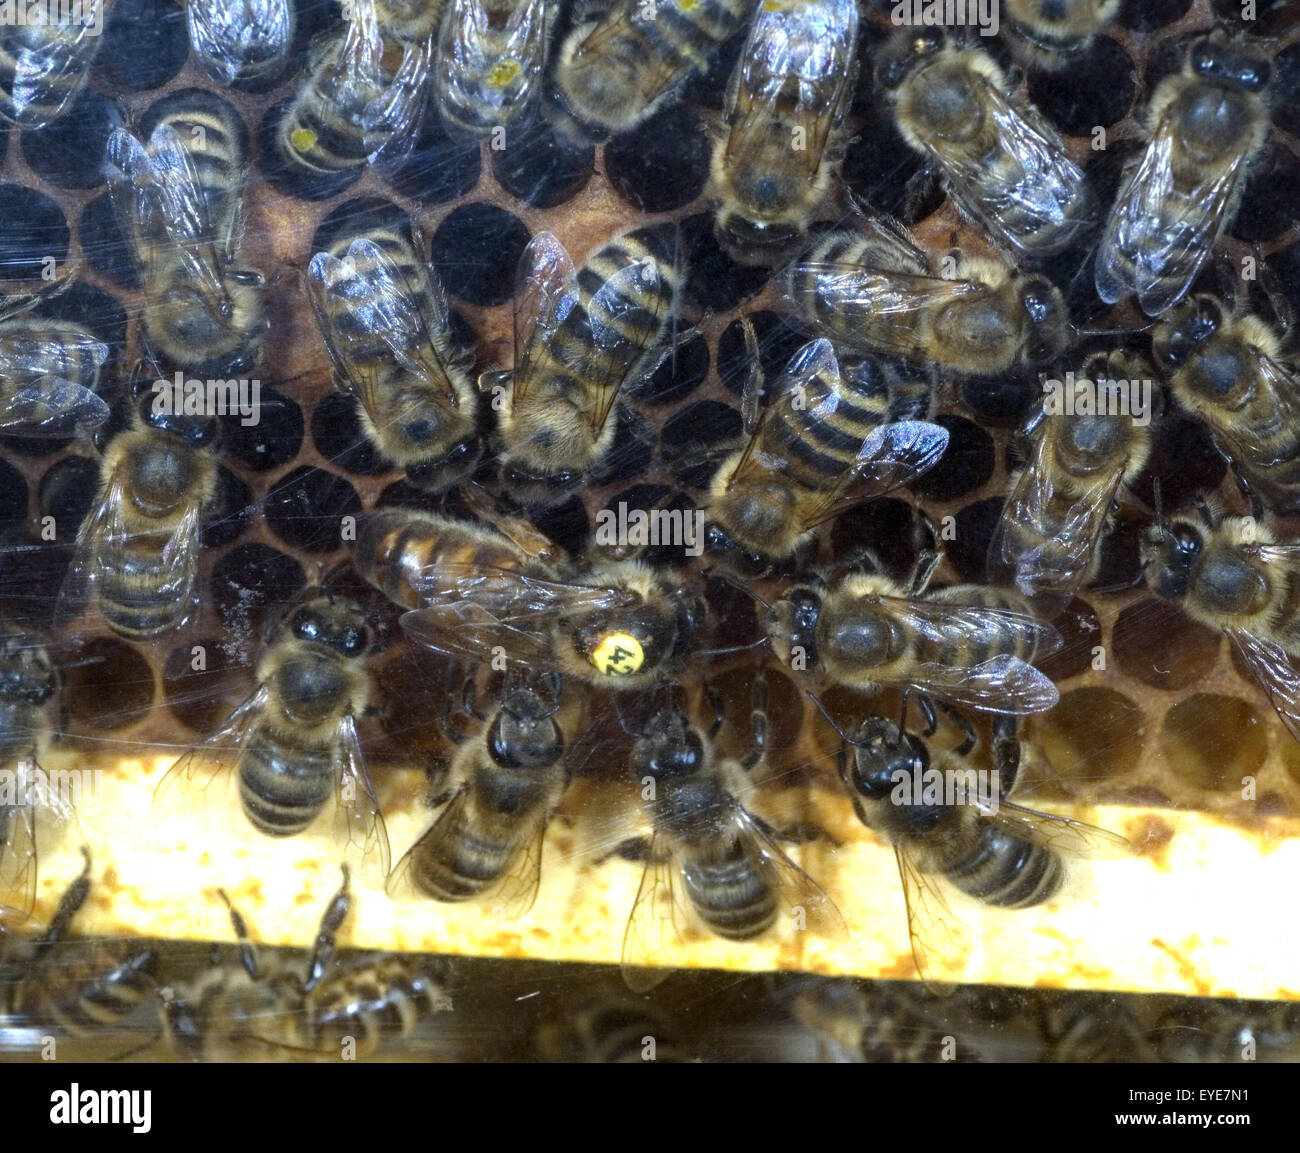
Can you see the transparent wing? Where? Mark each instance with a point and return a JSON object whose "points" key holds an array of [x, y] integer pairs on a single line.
{"points": [[1035, 184], [804, 901], [470, 610], [934, 932], [41, 378], [546, 293], [1001, 684], [654, 933], [227, 35], [634, 21], [212, 761], [1275, 671], [1151, 247], [18, 863], [393, 120], [1062, 834], [358, 819], [402, 885], [485, 74], [45, 73], [805, 49], [512, 897]]}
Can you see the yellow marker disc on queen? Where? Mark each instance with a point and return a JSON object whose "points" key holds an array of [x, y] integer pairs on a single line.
{"points": [[618, 655]]}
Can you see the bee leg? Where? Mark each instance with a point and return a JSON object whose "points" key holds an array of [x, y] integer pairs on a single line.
{"points": [[69, 904], [928, 560], [758, 722], [323, 952], [469, 699], [1006, 751], [635, 849], [926, 705], [963, 723], [247, 951], [804, 832], [719, 709]]}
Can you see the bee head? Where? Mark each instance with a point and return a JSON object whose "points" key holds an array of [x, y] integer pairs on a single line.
{"points": [[1049, 322], [751, 241], [538, 490], [902, 54], [881, 750], [668, 749], [1215, 57], [438, 473], [795, 619], [523, 734], [1185, 329], [719, 545], [334, 622], [26, 675], [1169, 555], [197, 431]]}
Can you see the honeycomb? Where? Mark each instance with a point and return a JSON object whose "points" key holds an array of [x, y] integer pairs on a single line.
{"points": [[1155, 722]]}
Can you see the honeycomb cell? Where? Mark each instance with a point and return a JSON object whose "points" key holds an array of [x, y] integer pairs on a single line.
{"points": [[779, 337], [1286, 89], [662, 164], [1093, 732], [82, 303], [543, 167], [274, 440], [784, 717], [1185, 460], [678, 375], [1159, 645], [35, 232], [291, 178], [714, 282], [251, 578], [707, 89], [231, 512], [476, 251], [107, 684], [889, 529], [358, 215], [968, 550], [965, 466], [1001, 401], [202, 685], [13, 497], [1077, 108], [566, 525], [306, 507], [883, 172], [104, 246], [1120, 566], [1212, 741], [65, 492], [145, 44], [1147, 15], [1080, 633], [70, 151], [1270, 203], [440, 168], [628, 456], [410, 690], [690, 433], [339, 437]]}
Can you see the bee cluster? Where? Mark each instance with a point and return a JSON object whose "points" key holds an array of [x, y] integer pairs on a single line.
{"points": [[683, 401]]}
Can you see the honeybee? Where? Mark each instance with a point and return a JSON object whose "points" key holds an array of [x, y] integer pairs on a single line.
{"points": [[502, 788], [826, 441], [387, 327], [1228, 370], [875, 289], [178, 193], [364, 95], [49, 376], [249, 1010], [1089, 1027], [294, 740], [1234, 576], [709, 858], [1061, 503], [137, 552], [784, 104], [478, 593], [83, 990], [29, 717], [987, 847], [579, 337], [44, 66], [966, 645], [609, 1031], [491, 53], [1207, 125], [240, 40], [1198, 1030], [1051, 33], [1003, 164], [617, 69]]}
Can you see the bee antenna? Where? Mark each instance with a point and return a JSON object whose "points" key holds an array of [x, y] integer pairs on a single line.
{"points": [[830, 720], [622, 720], [727, 578], [1160, 516]]}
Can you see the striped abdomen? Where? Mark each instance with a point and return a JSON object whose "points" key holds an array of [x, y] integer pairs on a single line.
{"points": [[323, 127], [729, 893], [1000, 868], [286, 778], [42, 70], [91, 995], [143, 593], [961, 648], [373, 1003]]}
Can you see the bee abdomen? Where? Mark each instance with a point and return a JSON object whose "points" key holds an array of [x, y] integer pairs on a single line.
{"points": [[1007, 871], [104, 999], [140, 593], [389, 999], [731, 897], [284, 789]]}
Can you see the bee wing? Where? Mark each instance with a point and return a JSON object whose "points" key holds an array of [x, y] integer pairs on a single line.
{"points": [[804, 901], [621, 297], [38, 69], [393, 120], [1059, 565], [934, 932], [654, 928], [168, 203], [468, 50], [1275, 671], [358, 818], [18, 863], [512, 897], [226, 33], [401, 885], [196, 770], [1063, 834], [1001, 684], [471, 609], [1036, 182], [45, 397], [546, 292], [807, 46], [1157, 239]]}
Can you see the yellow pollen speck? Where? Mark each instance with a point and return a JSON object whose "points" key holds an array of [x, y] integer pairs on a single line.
{"points": [[618, 655], [302, 139], [502, 73]]}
